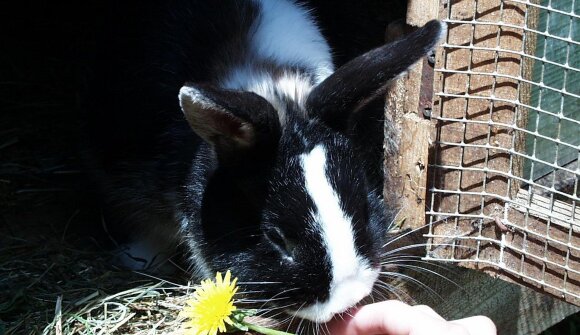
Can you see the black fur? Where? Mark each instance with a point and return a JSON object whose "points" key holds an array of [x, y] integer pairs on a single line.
{"points": [[354, 85], [225, 180]]}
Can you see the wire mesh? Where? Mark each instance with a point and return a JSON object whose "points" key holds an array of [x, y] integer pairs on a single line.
{"points": [[504, 188]]}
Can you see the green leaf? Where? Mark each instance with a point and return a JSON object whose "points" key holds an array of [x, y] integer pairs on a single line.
{"points": [[237, 326], [238, 317]]}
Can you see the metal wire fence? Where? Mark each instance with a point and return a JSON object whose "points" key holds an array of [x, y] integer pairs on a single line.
{"points": [[504, 188]]}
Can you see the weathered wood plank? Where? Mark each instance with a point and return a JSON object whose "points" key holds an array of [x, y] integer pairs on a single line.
{"points": [[420, 12], [407, 173], [412, 172], [560, 212]]}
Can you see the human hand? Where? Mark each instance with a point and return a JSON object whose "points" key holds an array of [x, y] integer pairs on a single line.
{"points": [[397, 318]]}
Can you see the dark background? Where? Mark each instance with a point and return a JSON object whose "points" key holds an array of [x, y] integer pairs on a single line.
{"points": [[47, 52]]}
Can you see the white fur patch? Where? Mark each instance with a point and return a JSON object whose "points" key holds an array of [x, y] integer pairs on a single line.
{"points": [[352, 276], [293, 86], [286, 33]]}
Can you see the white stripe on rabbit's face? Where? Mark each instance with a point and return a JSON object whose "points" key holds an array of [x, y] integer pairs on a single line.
{"points": [[352, 275]]}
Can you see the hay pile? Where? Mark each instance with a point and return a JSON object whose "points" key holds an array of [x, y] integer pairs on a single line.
{"points": [[51, 287], [151, 308]]}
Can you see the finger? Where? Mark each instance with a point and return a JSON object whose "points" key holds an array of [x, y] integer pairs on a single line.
{"points": [[477, 325], [392, 318], [428, 311]]}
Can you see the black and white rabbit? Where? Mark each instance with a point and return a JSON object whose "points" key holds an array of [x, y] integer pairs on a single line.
{"points": [[224, 126]]}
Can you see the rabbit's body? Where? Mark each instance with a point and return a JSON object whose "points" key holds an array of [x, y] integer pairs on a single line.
{"points": [[262, 177]]}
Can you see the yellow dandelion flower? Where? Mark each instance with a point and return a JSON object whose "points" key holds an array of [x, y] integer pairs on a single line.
{"points": [[211, 306]]}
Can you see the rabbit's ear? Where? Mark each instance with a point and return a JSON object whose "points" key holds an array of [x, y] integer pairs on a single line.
{"points": [[364, 78], [231, 121]]}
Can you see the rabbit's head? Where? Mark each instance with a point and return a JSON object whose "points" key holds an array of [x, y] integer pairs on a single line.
{"points": [[287, 206]]}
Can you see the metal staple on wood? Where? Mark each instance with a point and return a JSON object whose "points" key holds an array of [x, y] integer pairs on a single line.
{"points": [[504, 175]]}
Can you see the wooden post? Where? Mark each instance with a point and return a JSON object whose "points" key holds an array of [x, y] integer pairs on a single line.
{"points": [[408, 101]]}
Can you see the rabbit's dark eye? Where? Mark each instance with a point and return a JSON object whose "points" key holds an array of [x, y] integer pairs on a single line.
{"points": [[284, 245]]}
